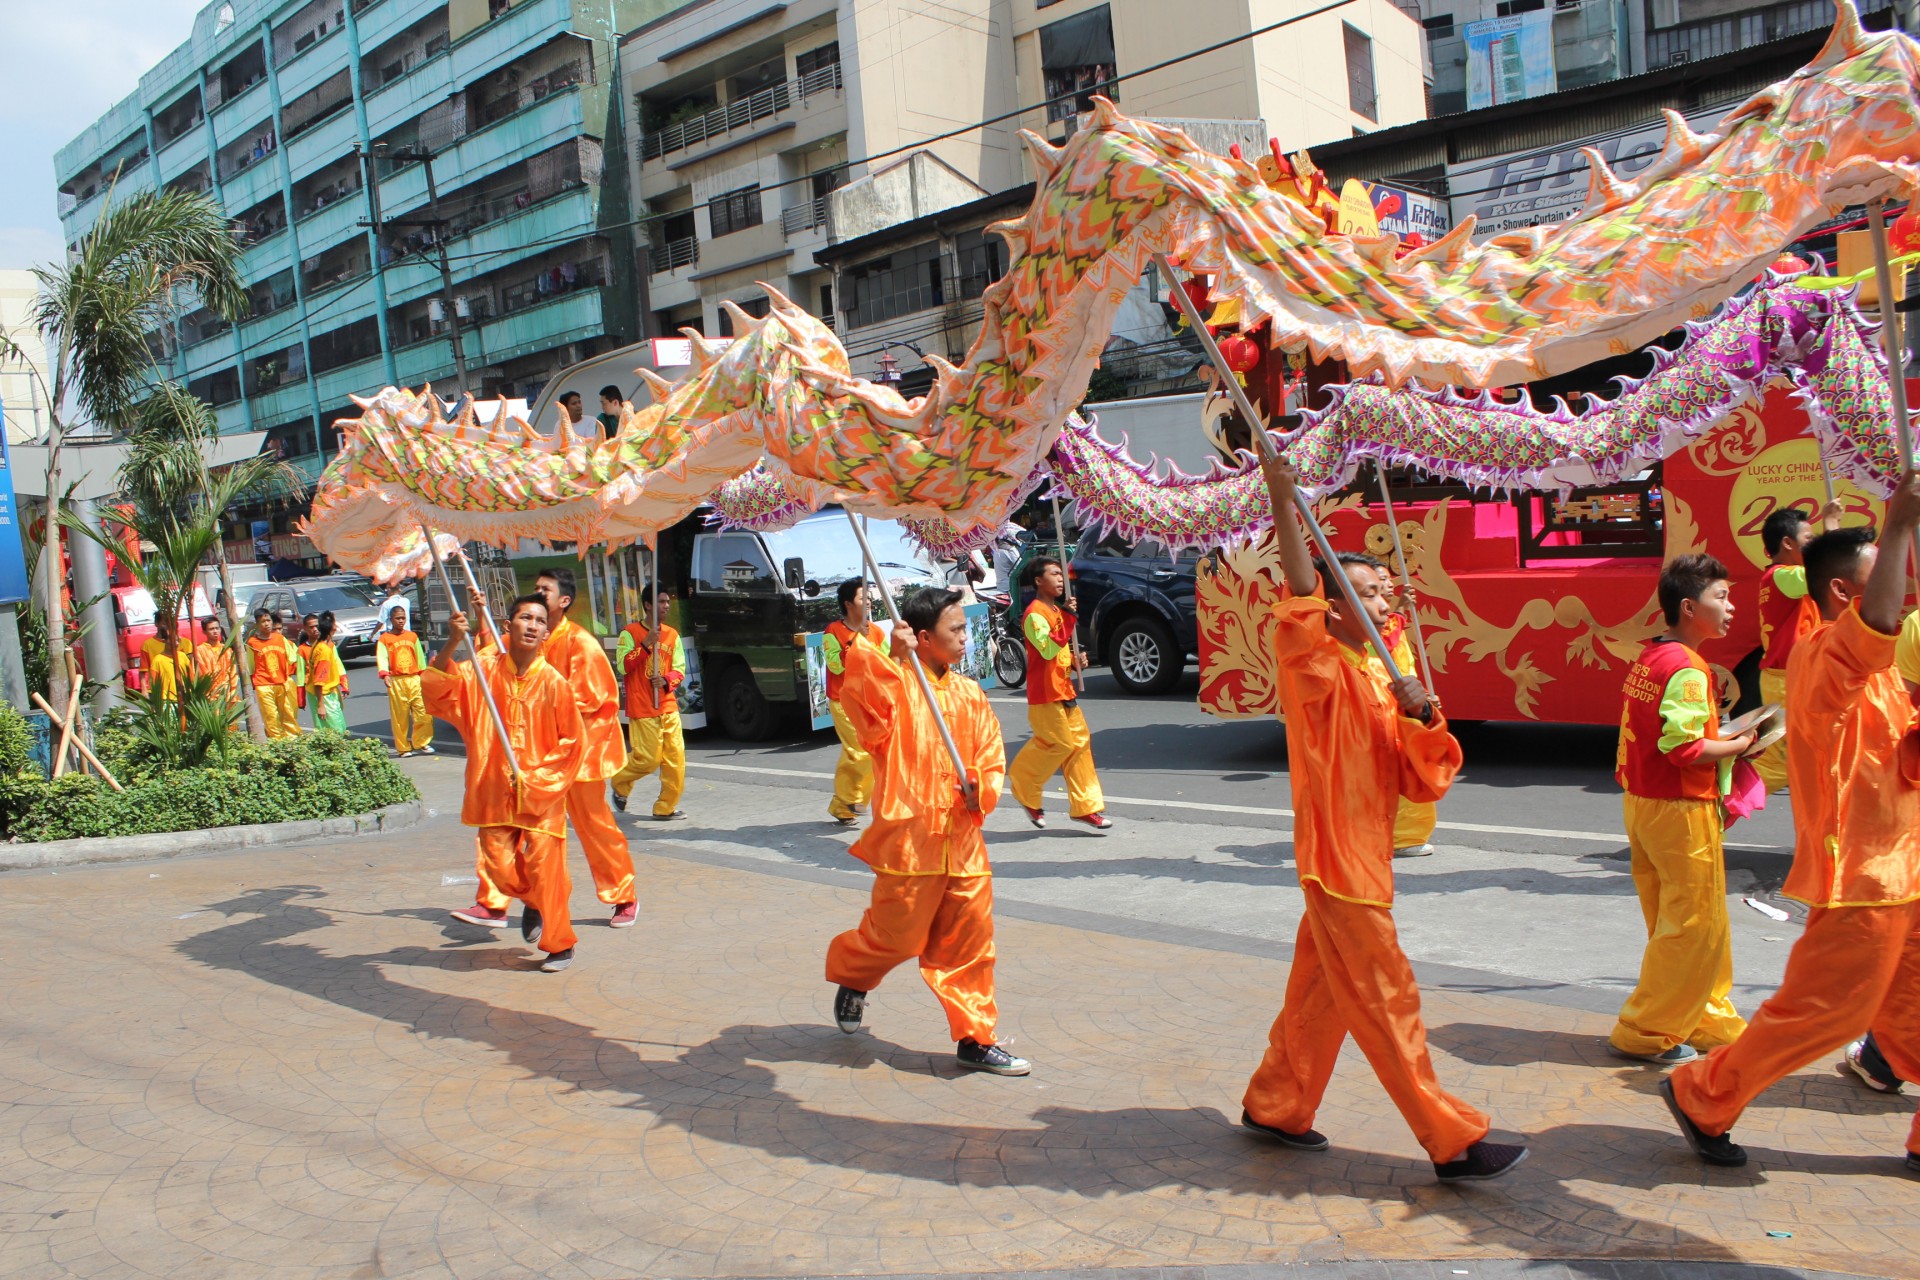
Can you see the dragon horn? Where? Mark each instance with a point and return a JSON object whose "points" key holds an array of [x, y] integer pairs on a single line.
{"points": [[1045, 156], [778, 300], [744, 325], [658, 385], [1845, 41], [946, 376], [1447, 250], [1605, 192], [705, 354], [1014, 232]]}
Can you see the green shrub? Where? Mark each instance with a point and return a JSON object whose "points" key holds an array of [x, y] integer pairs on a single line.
{"points": [[318, 775]]}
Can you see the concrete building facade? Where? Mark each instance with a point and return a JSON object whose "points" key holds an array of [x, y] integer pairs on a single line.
{"points": [[23, 382]]}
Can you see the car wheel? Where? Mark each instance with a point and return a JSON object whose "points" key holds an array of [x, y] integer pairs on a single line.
{"points": [[744, 714], [1143, 658]]}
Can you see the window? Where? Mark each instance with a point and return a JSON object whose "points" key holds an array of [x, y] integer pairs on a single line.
{"points": [[1507, 8], [981, 259], [896, 285], [1360, 91], [733, 564], [1439, 26], [827, 55], [758, 79], [735, 211], [1076, 58]]}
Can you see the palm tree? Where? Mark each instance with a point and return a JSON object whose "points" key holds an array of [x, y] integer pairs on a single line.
{"points": [[97, 312], [173, 491]]}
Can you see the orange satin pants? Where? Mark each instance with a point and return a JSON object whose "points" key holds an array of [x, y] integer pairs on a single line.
{"points": [[1854, 969], [608, 858], [533, 868], [946, 923], [1350, 976]]}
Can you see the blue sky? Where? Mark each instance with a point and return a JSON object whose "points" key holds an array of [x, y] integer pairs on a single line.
{"points": [[67, 62]]}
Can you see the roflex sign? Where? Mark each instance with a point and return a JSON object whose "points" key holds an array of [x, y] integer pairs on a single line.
{"points": [[1527, 188]]}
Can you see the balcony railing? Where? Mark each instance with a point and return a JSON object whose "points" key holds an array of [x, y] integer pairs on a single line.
{"points": [[675, 254], [804, 217], [723, 120]]}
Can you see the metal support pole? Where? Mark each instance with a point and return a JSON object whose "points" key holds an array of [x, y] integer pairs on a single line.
{"points": [[1073, 633], [1406, 576], [1265, 447], [1896, 347], [100, 642], [913, 656], [473, 650]]}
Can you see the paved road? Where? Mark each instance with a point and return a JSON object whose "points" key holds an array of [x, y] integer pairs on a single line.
{"points": [[1531, 885]]}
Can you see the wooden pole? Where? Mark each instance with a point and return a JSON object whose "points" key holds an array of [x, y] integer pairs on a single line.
{"points": [[1896, 347], [913, 656], [473, 650], [1406, 576], [1073, 633], [79, 745], [1265, 447]]}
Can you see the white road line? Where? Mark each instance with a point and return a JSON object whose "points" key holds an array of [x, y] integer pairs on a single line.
{"points": [[1600, 837]]}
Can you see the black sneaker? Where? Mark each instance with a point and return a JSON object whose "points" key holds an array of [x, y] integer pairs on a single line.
{"points": [[557, 961], [1913, 1162], [1721, 1150], [849, 1007], [1670, 1058], [619, 801], [1482, 1162], [529, 925], [1305, 1140], [975, 1056]]}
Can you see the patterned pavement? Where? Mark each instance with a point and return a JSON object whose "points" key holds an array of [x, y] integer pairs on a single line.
{"points": [[289, 1062]]}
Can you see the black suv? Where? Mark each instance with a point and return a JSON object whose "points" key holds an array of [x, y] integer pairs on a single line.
{"points": [[1136, 609]]}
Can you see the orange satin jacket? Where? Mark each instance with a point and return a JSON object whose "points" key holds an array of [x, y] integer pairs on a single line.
{"points": [[1853, 764], [1351, 755], [544, 725], [576, 654], [921, 825], [216, 660]]}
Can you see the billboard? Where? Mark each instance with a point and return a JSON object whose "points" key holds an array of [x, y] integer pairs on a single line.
{"points": [[1509, 58], [1525, 188], [13, 558]]}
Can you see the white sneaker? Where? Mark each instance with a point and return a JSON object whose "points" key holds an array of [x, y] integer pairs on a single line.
{"points": [[1414, 851]]}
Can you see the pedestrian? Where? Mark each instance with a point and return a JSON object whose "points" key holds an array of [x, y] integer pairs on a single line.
{"points": [[521, 842], [276, 663], [1675, 769], [167, 655], [1414, 820], [1061, 740], [575, 408], [612, 405], [573, 651], [309, 636], [1356, 744], [654, 667], [932, 885], [1787, 614], [853, 775], [399, 657], [327, 676], [213, 661], [1851, 763]]}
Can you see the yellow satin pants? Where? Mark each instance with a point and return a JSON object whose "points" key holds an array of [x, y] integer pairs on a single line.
{"points": [[1413, 823], [278, 710], [1771, 764], [655, 742], [853, 776], [1062, 743], [412, 726], [1686, 975]]}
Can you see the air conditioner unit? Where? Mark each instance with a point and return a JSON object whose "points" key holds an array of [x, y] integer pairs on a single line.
{"points": [[461, 307], [436, 310]]}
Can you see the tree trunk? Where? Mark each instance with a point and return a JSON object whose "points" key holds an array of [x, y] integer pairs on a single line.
{"points": [[236, 637], [54, 574]]}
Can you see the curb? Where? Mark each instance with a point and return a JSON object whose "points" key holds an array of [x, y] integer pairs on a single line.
{"points": [[173, 844]]}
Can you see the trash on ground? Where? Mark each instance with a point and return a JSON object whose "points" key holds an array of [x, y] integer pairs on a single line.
{"points": [[1766, 909]]}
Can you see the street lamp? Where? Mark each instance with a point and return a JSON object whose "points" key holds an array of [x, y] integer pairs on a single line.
{"points": [[890, 367]]}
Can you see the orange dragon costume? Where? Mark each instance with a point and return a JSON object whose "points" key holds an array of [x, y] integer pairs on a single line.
{"points": [[573, 652], [1353, 755], [1853, 762], [932, 884], [522, 836]]}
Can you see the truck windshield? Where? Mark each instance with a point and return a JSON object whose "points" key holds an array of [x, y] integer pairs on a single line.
{"points": [[832, 554]]}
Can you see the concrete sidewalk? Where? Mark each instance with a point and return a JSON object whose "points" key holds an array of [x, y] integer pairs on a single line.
{"points": [[290, 1062]]}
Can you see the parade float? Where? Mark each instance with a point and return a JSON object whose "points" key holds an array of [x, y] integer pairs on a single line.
{"points": [[1533, 537]]}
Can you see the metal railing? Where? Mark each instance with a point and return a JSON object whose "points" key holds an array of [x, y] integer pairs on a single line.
{"points": [[804, 217], [675, 254], [722, 120]]}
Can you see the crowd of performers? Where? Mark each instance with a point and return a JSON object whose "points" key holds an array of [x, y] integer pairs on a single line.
{"points": [[1369, 758]]}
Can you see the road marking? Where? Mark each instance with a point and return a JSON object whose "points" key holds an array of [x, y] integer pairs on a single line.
{"points": [[1600, 837]]}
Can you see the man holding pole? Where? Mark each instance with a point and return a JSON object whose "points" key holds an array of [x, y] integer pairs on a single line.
{"points": [[1061, 740], [654, 664]]}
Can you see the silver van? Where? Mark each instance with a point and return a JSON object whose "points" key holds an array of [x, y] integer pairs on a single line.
{"points": [[356, 612]]}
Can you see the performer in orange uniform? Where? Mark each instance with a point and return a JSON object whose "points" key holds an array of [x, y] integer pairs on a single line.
{"points": [[167, 655], [576, 655], [1853, 759], [1413, 820], [275, 673], [1674, 767], [853, 776], [932, 883], [1787, 615], [399, 658], [1061, 740], [522, 833], [1356, 744], [213, 660], [654, 667]]}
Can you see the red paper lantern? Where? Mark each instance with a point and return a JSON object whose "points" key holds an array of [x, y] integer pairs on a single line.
{"points": [[1196, 289], [1240, 352]]}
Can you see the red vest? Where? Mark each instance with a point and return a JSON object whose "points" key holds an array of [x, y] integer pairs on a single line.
{"points": [[848, 637], [1784, 621], [638, 677], [1050, 679], [1642, 768]]}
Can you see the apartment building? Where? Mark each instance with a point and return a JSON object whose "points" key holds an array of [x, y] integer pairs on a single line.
{"points": [[24, 379], [286, 111], [763, 133]]}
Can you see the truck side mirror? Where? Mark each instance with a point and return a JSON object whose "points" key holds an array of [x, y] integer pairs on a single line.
{"points": [[794, 570]]}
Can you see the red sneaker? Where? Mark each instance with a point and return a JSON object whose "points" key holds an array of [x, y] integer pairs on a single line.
{"points": [[624, 915], [1037, 817], [1098, 821], [485, 917]]}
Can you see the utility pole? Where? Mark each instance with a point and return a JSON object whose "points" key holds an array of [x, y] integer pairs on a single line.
{"points": [[438, 224]]}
